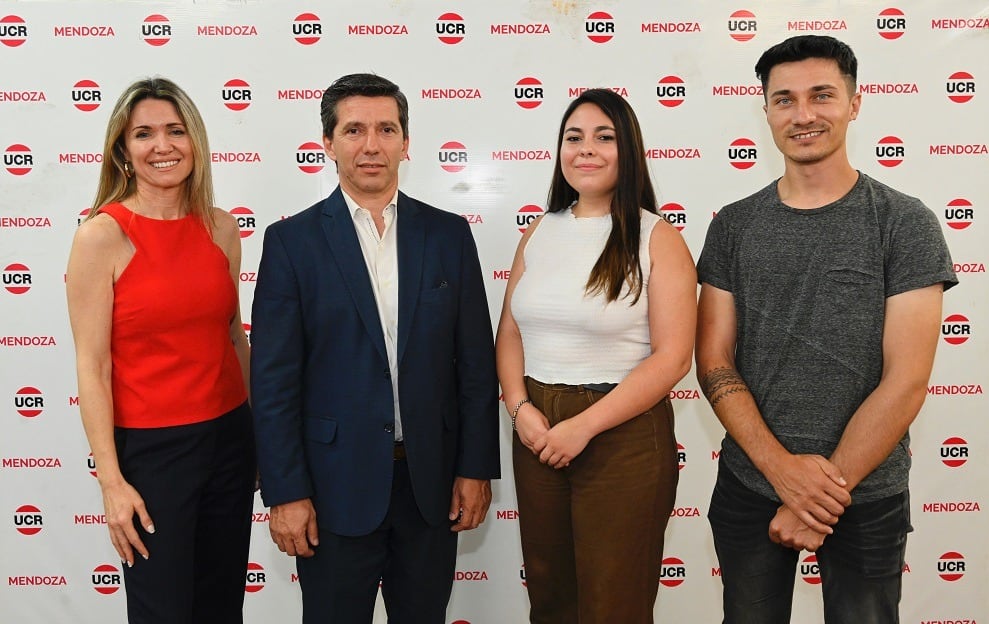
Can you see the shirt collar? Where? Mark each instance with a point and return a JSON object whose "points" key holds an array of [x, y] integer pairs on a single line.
{"points": [[355, 208]]}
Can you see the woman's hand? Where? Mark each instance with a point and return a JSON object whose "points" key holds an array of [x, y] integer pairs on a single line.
{"points": [[121, 501], [531, 425], [562, 443]]}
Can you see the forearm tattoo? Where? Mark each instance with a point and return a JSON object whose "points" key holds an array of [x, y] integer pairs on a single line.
{"points": [[720, 382]]}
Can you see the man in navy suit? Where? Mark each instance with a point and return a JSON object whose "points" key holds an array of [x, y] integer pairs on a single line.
{"points": [[373, 378]]}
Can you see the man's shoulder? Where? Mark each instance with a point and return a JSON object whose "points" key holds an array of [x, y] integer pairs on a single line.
{"points": [[300, 221], [751, 203], [435, 216]]}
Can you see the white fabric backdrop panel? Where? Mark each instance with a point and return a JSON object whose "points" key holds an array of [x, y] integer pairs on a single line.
{"points": [[487, 83]]}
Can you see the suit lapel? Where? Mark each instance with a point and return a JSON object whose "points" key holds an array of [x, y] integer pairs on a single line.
{"points": [[338, 227], [411, 236]]}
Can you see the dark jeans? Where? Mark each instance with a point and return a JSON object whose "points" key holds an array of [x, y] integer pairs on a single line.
{"points": [[592, 533], [861, 563], [197, 482]]}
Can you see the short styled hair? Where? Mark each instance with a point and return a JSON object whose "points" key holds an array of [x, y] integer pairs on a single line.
{"points": [[368, 85], [803, 47]]}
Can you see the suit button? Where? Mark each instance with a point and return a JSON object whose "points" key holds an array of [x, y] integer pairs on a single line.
{"points": [[390, 428]]}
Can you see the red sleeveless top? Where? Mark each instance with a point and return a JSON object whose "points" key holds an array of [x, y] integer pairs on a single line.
{"points": [[173, 361]]}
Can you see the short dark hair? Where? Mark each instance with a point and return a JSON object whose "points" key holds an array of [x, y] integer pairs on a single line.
{"points": [[368, 85], [803, 47]]}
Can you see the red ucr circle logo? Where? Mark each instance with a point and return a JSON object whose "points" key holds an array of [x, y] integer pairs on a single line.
{"points": [[91, 464], [86, 95], [742, 25], [526, 215], [29, 402], [956, 329], [156, 30], [453, 156], [681, 456], [310, 157], [307, 28], [236, 94], [522, 575], [13, 31], [670, 91], [450, 28], [960, 87], [255, 578], [600, 27], [673, 572], [742, 153], [891, 23], [675, 214], [959, 213], [890, 151], [951, 566], [18, 160], [529, 92], [245, 220], [106, 579], [810, 570], [247, 330], [17, 278], [27, 520], [954, 452]]}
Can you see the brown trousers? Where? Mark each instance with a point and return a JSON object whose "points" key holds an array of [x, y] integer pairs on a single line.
{"points": [[592, 533]]}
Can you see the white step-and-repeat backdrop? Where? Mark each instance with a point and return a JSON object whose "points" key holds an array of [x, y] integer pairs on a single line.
{"points": [[487, 83]]}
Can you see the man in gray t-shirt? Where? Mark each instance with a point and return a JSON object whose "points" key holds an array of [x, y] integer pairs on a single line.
{"points": [[817, 325]]}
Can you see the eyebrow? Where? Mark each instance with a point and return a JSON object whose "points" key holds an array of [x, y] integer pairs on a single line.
{"points": [[814, 89], [168, 125], [597, 129]]}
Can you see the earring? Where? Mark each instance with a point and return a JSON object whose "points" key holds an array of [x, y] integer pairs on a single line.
{"points": [[128, 169]]}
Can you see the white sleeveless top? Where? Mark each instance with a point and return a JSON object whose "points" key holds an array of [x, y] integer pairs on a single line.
{"points": [[568, 336]]}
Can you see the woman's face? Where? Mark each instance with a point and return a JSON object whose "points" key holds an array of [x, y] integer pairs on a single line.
{"points": [[589, 152], [158, 146]]}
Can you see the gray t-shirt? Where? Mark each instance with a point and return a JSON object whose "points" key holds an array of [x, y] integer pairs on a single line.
{"points": [[810, 288]]}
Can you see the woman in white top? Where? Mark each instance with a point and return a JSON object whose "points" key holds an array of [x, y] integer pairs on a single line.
{"points": [[596, 329]]}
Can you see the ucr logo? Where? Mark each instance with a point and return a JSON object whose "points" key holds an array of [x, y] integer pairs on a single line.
{"points": [[890, 151], [247, 330], [245, 220], [810, 570], [255, 578], [954, 452], [956, 329], [453, 156], [891, 23], [17, 159], [91, 464], [82, 216], [526, 215], [742, 153], [106, 579], [310, 157], [681, 456], [522, 574], [450, 28], [13, 31], [17, 278], [28, 520], [600, 27], [951, 566], [307, 28], [960, 87], [675, 214], [86, 95], [673, 573], [742, 25], [156, 30], [529, 92], [236, 94], [959, 213], [671, 91], [29, 402]]}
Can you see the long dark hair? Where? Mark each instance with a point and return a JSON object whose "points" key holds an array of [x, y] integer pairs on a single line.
{"points": [[619, 261]]}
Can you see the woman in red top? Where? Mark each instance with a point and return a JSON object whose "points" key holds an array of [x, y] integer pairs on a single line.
{"points": [[162, 361]]}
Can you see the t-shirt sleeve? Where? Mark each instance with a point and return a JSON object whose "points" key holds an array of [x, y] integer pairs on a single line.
{"points": [[917, 255], [714, 264]]}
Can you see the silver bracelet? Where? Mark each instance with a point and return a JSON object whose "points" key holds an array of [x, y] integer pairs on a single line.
{"points": [[515, 412]]}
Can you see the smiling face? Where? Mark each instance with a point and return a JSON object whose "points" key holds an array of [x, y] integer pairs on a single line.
{"points": [[589, 152], [158, 146], [367, 145], [809, 105]]}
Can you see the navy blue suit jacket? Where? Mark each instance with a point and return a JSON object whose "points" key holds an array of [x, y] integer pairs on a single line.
{"points": [[321, 387]]}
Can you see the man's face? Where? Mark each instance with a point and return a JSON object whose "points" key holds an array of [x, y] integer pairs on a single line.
{"points": [[808, 107], [367, 145]]}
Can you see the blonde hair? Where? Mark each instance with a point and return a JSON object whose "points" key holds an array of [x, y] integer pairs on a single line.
{"points": [[115, 185]]}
